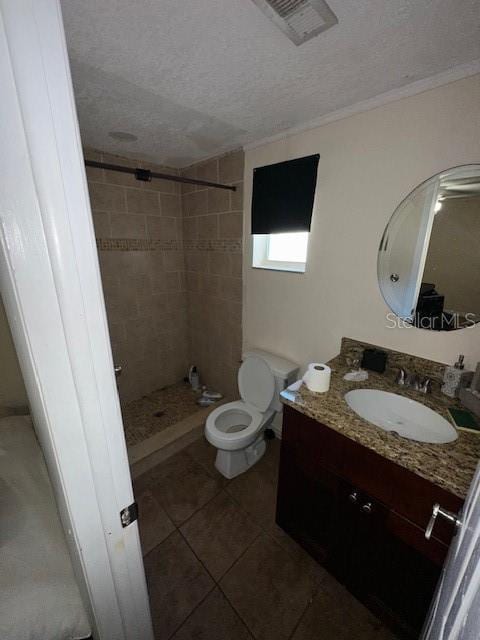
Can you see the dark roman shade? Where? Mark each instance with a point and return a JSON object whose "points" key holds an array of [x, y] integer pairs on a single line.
{"points": [[283, 195]]}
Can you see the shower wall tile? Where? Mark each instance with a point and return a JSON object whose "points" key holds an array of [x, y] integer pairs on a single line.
{"points": [[96, 175], [207, 171], [162, 228], [157, 184], [231, 225], [107, 197], [190, 228], [207, 226], [189, 172], [114, 177], [218, 200], [139, 234], [174, 260], [195, 203], [171, 263], [219, 263], [171, 205], [236, 265], [231, 167], [212, 235], [127, 225], [142, 201], [236, 197], [101, 223]]}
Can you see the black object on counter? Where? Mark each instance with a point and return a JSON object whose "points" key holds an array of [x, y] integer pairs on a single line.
{"points": [[374, 360]]}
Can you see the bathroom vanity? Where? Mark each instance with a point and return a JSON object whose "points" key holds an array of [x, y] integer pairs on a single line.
{"points": [[359, 499]]}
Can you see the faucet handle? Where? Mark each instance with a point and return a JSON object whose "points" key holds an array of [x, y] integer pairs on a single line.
{"points": [[413, 381], [401, 377], [425, 385]]}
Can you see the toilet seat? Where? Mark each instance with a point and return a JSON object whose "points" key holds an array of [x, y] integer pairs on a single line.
{"points": [[234, 425], [256, 383]]}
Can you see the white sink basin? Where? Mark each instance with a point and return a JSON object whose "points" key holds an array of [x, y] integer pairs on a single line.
{"points": [[408, 418]]}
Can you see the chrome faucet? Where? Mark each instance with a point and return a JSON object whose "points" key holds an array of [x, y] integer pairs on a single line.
{"points": [[412, 380], [401, 377], [426, 386]]}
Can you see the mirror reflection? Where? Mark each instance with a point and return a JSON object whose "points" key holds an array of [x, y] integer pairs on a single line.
{"points": [[429, 255]]}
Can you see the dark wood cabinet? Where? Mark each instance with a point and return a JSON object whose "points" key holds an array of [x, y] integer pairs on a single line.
{"points": [[363, 518]]}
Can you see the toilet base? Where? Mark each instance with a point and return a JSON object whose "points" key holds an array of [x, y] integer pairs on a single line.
{"points": [[232, 463]]}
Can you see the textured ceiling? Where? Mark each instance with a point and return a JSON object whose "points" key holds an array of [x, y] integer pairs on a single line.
{"points": [[193, 78]]}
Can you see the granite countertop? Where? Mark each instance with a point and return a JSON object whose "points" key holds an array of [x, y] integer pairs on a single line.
{"points": [[450, 466]]}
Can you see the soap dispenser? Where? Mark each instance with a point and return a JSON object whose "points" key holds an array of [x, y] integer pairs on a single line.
{"points": [[456, 378]]}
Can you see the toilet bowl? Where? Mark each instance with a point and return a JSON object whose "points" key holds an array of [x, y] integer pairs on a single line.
{"points": [[237, 428]]}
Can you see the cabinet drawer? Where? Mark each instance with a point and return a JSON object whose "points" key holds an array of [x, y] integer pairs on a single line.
{"points": [[414, 498], [316, 445], [414, 537]]}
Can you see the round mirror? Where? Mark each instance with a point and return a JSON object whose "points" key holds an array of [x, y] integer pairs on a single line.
{"points": [[429, 255]]}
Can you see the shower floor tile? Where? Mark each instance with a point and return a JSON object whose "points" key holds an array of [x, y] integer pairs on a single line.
{"points": [[158, 410]]}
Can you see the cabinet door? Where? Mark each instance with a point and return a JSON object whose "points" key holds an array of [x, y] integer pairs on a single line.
{"points": [[405, 577], [363, 519], [379, 554], [307, 507], [382, 571]]}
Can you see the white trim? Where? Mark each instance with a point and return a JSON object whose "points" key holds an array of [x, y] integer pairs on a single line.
{"points": [[276, 265], [51, 286], [260, 258], [411, 89]]}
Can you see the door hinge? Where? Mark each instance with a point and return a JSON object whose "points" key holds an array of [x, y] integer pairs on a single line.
{"points": [[129, 514]]}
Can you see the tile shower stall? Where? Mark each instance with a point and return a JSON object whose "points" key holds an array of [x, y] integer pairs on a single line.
{"points": [[171, 263]]}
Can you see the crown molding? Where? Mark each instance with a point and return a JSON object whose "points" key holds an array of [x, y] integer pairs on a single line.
{"points": [[413, 88]]}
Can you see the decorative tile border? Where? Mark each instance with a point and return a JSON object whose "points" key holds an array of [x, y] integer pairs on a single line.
{"points": [[138, 244], [214, 244]]}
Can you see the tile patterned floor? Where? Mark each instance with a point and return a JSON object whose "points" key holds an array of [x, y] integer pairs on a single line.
{"points": [[175, 402], [219, 568]]}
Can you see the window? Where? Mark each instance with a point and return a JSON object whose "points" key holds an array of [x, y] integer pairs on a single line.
{"points": [[281, 251]]}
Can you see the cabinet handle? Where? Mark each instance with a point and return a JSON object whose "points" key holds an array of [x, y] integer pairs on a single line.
{"points": [[438, 511], [367, 507], [353, 497]]}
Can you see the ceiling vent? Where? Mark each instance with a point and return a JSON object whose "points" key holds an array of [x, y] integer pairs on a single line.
{"points": [[300, 20]]}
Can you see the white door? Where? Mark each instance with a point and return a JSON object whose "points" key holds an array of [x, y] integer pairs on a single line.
{"points": [[455, 611], [421, 247], [406, 241], [50, 283]]}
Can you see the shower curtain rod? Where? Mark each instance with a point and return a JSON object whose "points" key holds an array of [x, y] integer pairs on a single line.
{"points": [[145, 175]]}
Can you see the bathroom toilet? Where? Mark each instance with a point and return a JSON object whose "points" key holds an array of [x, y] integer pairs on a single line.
{"points": [[237, 428]]}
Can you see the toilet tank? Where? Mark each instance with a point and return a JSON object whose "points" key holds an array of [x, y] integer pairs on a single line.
{"points": [[285, 372]]}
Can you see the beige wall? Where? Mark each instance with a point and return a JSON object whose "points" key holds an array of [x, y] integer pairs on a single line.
{"points": [[12, 389], [138, 228], [212, 230], [368, 163]]}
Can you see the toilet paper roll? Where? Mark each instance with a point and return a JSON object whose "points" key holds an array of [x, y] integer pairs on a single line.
{"points": [[317, 377]]}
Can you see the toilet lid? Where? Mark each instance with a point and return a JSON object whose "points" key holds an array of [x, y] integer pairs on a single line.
{"points": [[256, 383]]}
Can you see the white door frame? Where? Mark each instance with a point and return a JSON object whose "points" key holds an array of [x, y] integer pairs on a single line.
{"points": [[415, 277], [51, 286]]}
